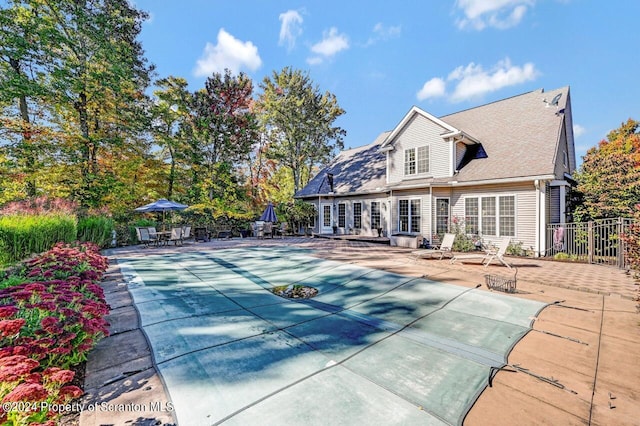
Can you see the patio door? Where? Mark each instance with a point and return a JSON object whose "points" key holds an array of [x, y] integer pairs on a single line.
{"points": [[326, 218]]}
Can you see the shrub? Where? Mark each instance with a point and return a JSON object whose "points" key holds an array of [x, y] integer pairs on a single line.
{"points": [[463, 242], [515, 249], [51, 314], [96, 229], [21, 236], [631, 239]]}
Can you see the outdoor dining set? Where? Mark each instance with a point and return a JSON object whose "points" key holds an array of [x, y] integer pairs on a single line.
{"points": [[149, 236], [265, 227]]}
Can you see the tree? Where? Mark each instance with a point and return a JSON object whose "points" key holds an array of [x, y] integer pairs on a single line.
{"points": [[23, 84], [97, 75], [222, 131], [170, 117], [299, 123], [609, 177]]}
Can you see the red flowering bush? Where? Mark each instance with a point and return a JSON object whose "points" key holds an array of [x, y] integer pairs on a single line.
{"points": [[50, 317]]}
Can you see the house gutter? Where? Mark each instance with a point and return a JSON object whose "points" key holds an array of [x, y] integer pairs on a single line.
{"points": [[346, 194], [477, 182]]}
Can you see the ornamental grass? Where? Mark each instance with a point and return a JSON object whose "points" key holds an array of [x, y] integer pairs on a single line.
{"points": [[21, 235], [51, 315]]}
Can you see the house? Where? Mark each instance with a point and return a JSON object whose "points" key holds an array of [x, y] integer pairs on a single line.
{"points": [[500, 169]]}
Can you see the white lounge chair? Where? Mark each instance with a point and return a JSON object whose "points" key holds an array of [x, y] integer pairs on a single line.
{"points": [[488, 256], [446, 248]]}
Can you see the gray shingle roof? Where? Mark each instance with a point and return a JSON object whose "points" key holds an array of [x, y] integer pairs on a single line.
{"points": [[356, 170], [519, 135]]}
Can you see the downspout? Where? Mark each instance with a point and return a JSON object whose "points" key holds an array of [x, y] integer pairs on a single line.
{"points": [[390, 214], [430, 214], [536, 183], [318, 222]]}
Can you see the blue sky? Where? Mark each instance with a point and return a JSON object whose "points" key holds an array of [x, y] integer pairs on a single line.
{"points": [[380, 57]]}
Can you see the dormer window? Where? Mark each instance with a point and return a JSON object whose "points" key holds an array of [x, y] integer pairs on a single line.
{"points": [[416, 160]]}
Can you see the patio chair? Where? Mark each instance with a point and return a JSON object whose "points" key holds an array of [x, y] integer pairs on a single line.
{"points": [[446, 247], [176, 236], [268, 229], [143, 236], [488, 256], [258, 229], [201, 234], [281, 230], [153, 236], [186, 233]]}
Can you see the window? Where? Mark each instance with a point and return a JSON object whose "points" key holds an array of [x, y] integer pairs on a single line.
{"points": [[471, 215], [326, 215], [416, 159], [488, 216], [442, 215], [403, 215], [410, 161], [415, 216], [357, 215], [409, 215], [375, 215], [342, 215], [423, 159], [507, 225]]}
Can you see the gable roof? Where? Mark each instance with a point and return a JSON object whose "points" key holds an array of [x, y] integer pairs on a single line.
{"points": [[519, 138], [520, 135], [447, 128], [358, 170]]}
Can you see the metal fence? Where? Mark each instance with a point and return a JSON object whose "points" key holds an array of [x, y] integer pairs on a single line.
{"points": [[595, 242]]}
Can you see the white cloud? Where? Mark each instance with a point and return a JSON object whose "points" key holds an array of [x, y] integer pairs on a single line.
{"points": [[473, 81], [290, 28], [578, 130], [433, 88], [229, 53], [383, 33], [501, 14], [332, 42]]}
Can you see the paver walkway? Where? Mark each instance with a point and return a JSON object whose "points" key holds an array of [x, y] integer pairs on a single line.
{"points": [[584, 350]]}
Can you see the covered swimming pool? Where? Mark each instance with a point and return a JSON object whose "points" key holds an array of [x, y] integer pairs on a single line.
{"points": [[371, 347]]}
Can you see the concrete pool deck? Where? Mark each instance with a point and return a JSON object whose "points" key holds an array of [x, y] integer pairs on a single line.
{"points": [[563, 358]]}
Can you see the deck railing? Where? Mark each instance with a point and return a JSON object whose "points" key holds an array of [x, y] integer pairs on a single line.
{"points": [[596, 242]]}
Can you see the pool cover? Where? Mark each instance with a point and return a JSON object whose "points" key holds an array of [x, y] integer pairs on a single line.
{"points": [[371, 347]]}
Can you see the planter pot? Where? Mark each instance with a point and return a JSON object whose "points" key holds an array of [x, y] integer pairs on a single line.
{"points": [[405, 240]]}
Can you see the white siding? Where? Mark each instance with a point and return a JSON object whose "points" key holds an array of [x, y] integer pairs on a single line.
{"points": [[525, 208], [419, 131], [461, 149], [365, 200], [423, 196]]}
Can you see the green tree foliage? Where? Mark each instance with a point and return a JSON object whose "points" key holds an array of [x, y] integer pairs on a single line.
{"points": [[299, 122], [222, 131], [81, 59], [609, 177], [23, 84], [170, 114], [75, 121]]}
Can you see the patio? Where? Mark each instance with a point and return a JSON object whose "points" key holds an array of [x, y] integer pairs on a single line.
{"points": [[568, 343]]}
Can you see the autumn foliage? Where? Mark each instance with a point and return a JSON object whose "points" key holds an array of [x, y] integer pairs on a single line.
{"points": [[609, 178]]}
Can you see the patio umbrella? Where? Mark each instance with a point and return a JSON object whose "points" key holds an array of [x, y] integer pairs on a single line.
{"points": [[269, 214], [162, 205]]}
